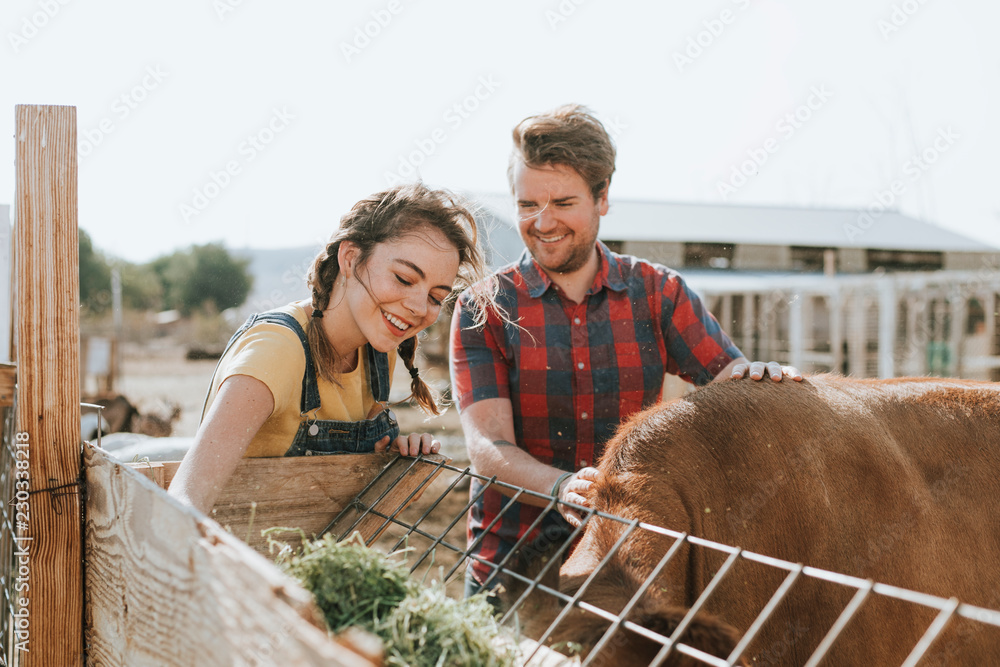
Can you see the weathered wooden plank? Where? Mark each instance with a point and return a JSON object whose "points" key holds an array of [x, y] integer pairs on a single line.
{"points": [[154, 470], [47, 332], [166, 587], [305, 492], [8, 375], [389, 494]]}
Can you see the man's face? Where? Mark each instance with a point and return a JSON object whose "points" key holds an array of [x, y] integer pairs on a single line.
{"points": [[557, 217]]}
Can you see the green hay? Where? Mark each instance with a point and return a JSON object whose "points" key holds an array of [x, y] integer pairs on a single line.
{"points": [[430, 629], [353, 585], [419, 626]]}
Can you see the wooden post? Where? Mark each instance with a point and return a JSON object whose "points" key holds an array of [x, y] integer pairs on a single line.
{"points": [[989, 350], [796, 330], [765, 314], [808, 332], [726, 312], [836, 308], [857, 335], [47, 335], [887, 328], [916, 356], [749, 326], [956, 340]]}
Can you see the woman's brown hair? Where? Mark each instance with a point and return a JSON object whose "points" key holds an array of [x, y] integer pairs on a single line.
{"points": [[386, 216]]}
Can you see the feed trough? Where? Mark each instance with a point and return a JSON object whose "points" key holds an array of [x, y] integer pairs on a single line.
{"points": [[433, 529]]}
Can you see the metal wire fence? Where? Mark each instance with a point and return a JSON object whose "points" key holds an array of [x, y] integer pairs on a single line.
{"points": [[432, 527]]}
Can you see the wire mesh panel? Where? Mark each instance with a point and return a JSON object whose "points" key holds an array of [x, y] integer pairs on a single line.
{"points": [[791, 614]]}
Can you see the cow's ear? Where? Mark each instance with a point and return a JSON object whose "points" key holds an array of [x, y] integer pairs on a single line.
{"points": [[705, 633]]}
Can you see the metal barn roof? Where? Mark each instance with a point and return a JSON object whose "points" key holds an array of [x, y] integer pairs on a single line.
{"points": [[630, 220]]}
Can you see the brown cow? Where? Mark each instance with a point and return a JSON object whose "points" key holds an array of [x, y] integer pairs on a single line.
{"points": [[897, 481]]}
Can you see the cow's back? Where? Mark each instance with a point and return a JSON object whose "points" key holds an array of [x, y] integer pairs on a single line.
{"points": [[896, 481]]}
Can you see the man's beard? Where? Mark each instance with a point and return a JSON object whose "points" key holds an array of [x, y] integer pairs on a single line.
{"points": [[578, 258]]}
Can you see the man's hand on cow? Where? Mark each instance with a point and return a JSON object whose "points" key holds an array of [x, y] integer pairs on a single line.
{"points": [[757, 370], [576, 490]]}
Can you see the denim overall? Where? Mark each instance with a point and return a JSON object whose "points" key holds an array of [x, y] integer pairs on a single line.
{"points": [[328, 436]]}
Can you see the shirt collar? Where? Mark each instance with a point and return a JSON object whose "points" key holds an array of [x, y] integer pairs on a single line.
{"points": [[609, 275]]}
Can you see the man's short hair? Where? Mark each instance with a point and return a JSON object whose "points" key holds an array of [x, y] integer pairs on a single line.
{"points": [[568, 135]]}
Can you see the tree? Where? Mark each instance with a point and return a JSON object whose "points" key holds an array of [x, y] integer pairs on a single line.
{"points": [[141, 286], [95, 277], [201, 274], [172, 272]]}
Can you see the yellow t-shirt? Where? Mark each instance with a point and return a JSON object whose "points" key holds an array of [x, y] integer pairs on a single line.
{"points": [[273, 354]]}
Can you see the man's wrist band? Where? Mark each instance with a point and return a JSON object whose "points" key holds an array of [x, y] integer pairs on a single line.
{"points": [[555, 487]]}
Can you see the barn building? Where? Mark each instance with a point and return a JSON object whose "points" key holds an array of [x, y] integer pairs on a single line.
{"points": [[856, 292]]}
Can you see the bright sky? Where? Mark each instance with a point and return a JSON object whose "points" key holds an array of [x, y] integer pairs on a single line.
{"points": [[259, 124]]}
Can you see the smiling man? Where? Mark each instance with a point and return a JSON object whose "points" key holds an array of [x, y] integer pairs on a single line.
{"points": [[587, 338]]}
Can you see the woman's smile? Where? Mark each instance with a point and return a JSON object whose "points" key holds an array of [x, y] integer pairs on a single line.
{"points": [[396, 325]]}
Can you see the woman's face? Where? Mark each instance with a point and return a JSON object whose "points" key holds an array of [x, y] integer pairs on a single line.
{"points": [[407, 278]]}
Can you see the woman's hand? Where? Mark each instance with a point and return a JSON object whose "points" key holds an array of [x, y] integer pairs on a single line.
{"points": [[414, 444], [576, 489]]}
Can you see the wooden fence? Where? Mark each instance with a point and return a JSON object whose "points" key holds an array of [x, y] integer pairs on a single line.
{"points": [[167, 587]]}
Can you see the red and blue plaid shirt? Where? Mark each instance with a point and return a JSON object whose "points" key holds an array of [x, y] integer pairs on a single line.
{"points": [[574, 372]]}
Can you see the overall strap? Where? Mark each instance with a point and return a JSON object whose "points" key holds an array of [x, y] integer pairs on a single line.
{"points": [[239, 332], [310, 390], [378, 373]]}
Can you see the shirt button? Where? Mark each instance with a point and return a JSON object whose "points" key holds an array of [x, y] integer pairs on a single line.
{"points": [[580, 365], [583, 463], [583, 415], [576, 320]]}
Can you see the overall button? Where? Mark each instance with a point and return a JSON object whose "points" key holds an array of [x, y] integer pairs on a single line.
{"points": [[313, 429]]}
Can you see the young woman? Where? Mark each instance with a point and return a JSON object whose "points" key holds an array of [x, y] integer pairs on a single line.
{"points": [[313, 377]]}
